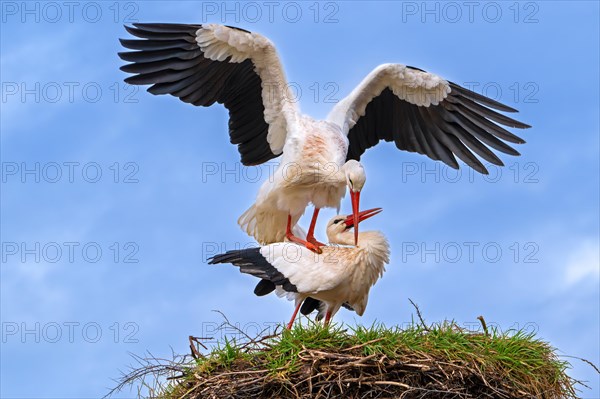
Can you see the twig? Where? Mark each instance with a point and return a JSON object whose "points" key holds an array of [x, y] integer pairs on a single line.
{"points": [[195, 352], [425, 327], [364, 344], [584, 360]]}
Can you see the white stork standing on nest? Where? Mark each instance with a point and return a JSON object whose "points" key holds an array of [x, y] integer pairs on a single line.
{"points": [[341, 275], [418, 111]]}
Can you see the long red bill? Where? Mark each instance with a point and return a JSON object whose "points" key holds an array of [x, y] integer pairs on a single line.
{"points": [[354, 219], [355, 196]]}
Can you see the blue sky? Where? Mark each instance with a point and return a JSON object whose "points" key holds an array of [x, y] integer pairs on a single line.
{"points": [[112, 198]]}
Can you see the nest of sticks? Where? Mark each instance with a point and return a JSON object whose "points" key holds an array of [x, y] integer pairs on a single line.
{"points": [[438, 361]]}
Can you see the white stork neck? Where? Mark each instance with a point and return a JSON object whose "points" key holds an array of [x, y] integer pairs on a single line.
{"points": [[369, 241]]}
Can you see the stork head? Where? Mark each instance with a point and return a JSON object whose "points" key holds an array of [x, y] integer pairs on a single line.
{"points": [[338, 228], [355, 180], [355, 175]]}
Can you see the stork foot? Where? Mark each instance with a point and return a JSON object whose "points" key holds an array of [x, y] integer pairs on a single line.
{"points": [[310, 245], [316, 248], [314, 241]]}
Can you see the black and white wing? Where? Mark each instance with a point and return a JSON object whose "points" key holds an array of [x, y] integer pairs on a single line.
{"points": [[204, 64], [252, 261], [421, 112], [304, 273]]}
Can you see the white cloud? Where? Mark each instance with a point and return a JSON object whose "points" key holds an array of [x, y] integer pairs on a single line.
{"points": [[584, 262]]}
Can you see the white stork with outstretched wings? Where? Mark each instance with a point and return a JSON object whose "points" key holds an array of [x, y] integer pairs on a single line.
{"points": [[418, 111]]}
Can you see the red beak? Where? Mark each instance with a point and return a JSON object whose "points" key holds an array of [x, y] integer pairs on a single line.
{"points": [[355, 197], [354, 219]]}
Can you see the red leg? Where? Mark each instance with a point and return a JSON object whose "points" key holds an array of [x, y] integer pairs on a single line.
{"points": [[291, 323], [310, 237], [293, 238]]}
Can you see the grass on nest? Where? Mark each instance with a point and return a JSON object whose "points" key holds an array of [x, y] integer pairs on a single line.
{"points": [[438, 361]]}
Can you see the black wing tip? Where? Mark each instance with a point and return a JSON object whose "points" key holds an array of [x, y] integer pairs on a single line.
{"points": [[474, 164], [174, 27], [481, 98], [212, 260], [251, 261], [131, 80], [131, 29], [454, 165], [515, 124], [145, 30], [220, 258], [165, 26], [510, 109], [233, 255], [309, 306], [481, 169], [513, 139], [129, 44], [142, 25], [264, 287], [126, 68]]}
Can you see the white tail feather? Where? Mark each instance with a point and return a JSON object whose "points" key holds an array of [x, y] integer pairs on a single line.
{"points": [[267, 225]]}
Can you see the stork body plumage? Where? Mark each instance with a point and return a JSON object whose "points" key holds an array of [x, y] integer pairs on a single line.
{"points": [[418, 111], [312, 170], [341, 274]]}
